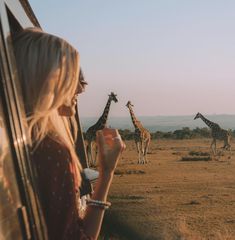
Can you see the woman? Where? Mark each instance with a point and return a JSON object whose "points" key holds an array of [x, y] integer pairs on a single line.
{"points": [[48, 70]]}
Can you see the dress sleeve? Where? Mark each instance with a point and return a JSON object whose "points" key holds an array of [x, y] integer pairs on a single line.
{"points": [[56, 181]]}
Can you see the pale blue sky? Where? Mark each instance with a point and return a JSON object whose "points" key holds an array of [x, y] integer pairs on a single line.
{"points": [[169, 57]]}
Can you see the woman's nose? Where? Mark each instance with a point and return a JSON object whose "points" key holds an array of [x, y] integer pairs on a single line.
{"points": [[82, 83]]}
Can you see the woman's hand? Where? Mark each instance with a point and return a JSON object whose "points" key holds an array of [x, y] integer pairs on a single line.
{"points": [[110, 147]]}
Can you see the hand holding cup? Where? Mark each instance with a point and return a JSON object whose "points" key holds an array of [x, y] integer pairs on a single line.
{"points": [[110, 147]]}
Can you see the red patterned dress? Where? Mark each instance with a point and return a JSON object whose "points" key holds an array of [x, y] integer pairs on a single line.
{"points": [[58, 191]]}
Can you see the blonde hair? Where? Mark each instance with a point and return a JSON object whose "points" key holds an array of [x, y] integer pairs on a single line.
{"points": [[48, 69]]}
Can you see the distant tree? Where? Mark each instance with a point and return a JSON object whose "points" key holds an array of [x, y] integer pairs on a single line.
{"points": [[202, 132], [184, 133], [168, 135], [157, 135]]}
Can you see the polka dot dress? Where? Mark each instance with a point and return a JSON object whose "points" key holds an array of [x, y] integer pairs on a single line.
{"points": [[58, 191]]}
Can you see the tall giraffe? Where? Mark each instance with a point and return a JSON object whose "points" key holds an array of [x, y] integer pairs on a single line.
{"points": [[142, 136], [100, 124], [217, 133]]}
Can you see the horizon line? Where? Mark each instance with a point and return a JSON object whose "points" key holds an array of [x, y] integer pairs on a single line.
{"points": [[162, 115]]}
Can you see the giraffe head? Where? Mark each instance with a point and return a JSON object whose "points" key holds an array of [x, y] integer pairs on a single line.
{"points": [[113, 97], [197, 116], [129, 104]]}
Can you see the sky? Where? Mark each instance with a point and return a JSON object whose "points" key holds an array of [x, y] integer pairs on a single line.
{"points": [[168, 57]]}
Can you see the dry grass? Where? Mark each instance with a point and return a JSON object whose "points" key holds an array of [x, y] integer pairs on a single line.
{"points": [[173, 199], [184, 232]]}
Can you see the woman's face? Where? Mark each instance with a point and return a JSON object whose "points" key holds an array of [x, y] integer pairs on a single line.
{"points": [[68, 109]]}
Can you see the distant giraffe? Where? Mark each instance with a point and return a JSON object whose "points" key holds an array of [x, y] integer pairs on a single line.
{"points": [[100, 124], [217, 133], [142, 136]]}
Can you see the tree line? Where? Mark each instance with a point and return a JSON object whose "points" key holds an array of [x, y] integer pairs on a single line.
{"points": [[184, 133]]}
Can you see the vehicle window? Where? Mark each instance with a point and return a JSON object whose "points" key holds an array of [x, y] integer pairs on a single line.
{"points": [[20, 213], [9, 194]]}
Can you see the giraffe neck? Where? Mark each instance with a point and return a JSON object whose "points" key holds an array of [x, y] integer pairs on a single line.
{"points": [[135, 122], [103, 118], [207, 122]]}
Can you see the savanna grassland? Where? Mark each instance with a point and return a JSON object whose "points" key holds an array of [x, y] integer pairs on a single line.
{"points": [[182, 193]]}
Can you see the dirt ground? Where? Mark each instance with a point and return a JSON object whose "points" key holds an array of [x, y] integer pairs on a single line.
{"points": [[169, 198]]}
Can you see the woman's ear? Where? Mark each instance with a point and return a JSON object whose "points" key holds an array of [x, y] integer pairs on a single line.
{"points": [[66, 110]]}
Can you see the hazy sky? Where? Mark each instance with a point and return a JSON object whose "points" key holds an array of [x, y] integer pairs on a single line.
{"points": [[169, 57]]}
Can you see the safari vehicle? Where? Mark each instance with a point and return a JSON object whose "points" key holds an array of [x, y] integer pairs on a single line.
{"points": [[20, 212]]}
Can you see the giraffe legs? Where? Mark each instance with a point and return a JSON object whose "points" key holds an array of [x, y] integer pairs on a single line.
{"points": [[139, 151], [227, 146], [213, 146], [142, 149], [229, 149], [146, 151], [88, 149], [142, 153], [95, 151], [90, 155]]}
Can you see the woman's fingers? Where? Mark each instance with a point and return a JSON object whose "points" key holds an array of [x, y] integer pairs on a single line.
{"points": [[109, 139], [107, 134], [110, 146]]}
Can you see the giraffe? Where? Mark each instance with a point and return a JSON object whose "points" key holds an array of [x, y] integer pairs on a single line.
{"points": [[100, 124], [217, 133], [142, 136]]}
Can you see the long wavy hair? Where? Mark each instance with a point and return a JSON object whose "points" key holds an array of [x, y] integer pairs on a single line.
{"points": [[48, 69]]}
